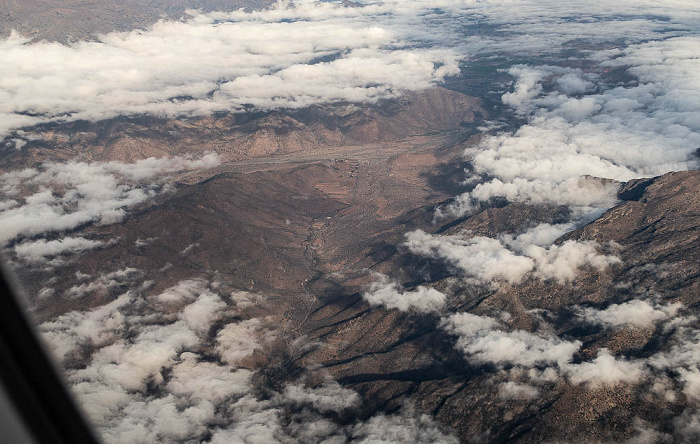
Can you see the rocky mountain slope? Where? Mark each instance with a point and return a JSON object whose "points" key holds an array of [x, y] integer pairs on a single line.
{"points": [[389, 356], [309, 236], [245, 136], [273, 225]]}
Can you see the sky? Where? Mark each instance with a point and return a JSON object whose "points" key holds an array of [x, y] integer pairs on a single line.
{"points": [[147, 366]]}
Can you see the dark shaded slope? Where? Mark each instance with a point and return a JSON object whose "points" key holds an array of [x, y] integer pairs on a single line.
{"points": [[390, 356]]}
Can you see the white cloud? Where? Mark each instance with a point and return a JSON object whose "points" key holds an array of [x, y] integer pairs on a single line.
{"points": [[64, 196], [220, 62], [520, 392], [199, 314], [105, 282], [207, 380], [620, 133], [152, 368], [563, 261], [330, 397], [387, 293], [574, 83], [40, 250], [691, 380], [148, 368], [682, 356], [526, 88], [178, 295], [96, 328], [510, 258], [239, 341], [483, 341], [481, 257], [137, 343], [636, 313], [294, 55], [605, 369]]}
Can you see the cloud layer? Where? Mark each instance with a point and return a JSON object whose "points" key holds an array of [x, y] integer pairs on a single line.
{"points": [[300, 53], [169, 367], [580, 127], [57, 197], [287, 57]]}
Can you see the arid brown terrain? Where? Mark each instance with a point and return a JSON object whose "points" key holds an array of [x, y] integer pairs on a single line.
{"points": [[307, 223], [319, 132], [342, 222], [390, 356], [277, 222]]}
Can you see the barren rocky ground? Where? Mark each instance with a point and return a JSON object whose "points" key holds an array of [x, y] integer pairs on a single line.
{"points": [[360, 223]]}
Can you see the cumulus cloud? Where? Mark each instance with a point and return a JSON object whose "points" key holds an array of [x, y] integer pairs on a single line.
{"points": [[527, 87], [509, 258], [238, 341], [154, 368], [606, 369], [574, 83], [178, 295], [166, 367], [585, 132], [483, 341], [290, 56], [95, 328], [297, 54], [106, 282], [143, 377], [481, 257], [387, 293], [636, 313], [563, 261], [40, 250], [330, 397], [682, 356], [575, 132], [62, 196], [199, 314]]}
